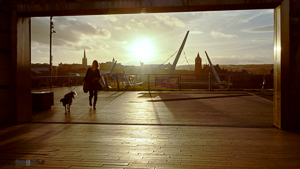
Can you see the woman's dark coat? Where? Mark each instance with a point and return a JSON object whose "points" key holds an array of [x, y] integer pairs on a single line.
{"points": [[90, 76]]}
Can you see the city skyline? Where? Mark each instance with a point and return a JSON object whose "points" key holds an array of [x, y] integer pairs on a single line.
{"points": [[229, 37]]}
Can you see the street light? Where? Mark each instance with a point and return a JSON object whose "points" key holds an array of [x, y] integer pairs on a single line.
{"points": [[51, 32]]}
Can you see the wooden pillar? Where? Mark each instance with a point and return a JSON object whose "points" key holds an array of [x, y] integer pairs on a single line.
{"points": [[15, 67], [21, 74], [287, 65], [6, 45]]}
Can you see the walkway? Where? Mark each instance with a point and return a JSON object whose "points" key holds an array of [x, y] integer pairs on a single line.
{"points": [[180, 129]]}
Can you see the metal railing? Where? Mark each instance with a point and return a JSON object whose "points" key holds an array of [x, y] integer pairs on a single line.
{"points": [[149, 82]]}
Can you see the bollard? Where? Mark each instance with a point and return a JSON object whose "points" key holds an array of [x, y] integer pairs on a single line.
{"points": [[228, 87], [179, 82], [105, 78], [209, 83], [148, 84], [117, 82]]}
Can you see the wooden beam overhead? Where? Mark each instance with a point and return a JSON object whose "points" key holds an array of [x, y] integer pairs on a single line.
{"points": [[35, 8]]}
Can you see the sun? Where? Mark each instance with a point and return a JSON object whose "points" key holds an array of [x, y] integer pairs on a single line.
{"points": [[143, 50]]}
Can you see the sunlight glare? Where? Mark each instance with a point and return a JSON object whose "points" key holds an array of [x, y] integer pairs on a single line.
{"points": [[143, 50]]}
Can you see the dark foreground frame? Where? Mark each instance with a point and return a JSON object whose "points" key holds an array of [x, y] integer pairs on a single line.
{"points": [[15, 63]]}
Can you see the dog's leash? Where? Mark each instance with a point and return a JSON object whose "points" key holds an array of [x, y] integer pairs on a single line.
{"points": [[76, 86]]}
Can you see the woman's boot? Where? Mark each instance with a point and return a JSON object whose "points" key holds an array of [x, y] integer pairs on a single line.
{"points": [[94, 105], [90, 102]]}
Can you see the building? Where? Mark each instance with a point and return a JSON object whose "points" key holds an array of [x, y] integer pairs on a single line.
{"points": [[198, 65], [84, 59]]}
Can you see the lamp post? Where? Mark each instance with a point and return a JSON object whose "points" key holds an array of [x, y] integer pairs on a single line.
{"points": [[51, 32]]}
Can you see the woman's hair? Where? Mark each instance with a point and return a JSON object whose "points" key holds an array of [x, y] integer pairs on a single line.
{"points": [[96, 63]]}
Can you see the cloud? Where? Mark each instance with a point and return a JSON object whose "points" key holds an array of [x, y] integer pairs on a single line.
{"points": [[222, 35], [256, 15], [261, 29], [104, 33], [81, 27], [261, 40], [128, 26], [40, 30], [246, 59], [69, 32], [118, 28], [134, 24], [141, 25], [246, 20], [120, 42], [34, 45], [64, 36], [170, 21], [196, 32], [106, 36], [81, 48], [104, 45], [155, 24], [111, 18], [74, 25]]}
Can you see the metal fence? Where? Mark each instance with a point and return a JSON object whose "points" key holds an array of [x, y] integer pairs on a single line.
{"points": [[149, 82]]}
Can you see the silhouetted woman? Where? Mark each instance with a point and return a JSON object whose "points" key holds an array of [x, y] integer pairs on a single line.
{"points": [[92, 76]]}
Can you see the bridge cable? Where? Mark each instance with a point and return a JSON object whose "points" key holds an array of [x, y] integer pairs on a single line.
{"points": [[187, 61], [164, 62]]}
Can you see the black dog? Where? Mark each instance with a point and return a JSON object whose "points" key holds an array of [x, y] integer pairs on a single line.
{"points": [[67, 100]]}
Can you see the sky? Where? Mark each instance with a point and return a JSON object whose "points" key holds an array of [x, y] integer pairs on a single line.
{"points": [[228, 37]]}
